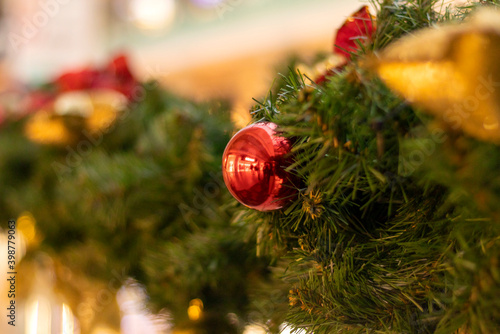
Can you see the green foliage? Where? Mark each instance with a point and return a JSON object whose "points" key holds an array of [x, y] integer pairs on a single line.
{"points": [[145, 198], [395, 225], [394, 228]]}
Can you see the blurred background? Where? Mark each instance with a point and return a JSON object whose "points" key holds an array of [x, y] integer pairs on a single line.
{"points": [[197, 49]]}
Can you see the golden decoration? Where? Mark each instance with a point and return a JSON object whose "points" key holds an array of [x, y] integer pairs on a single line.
{"points": [[47, 128], [74, 112], [452, 72], [107, 105]]}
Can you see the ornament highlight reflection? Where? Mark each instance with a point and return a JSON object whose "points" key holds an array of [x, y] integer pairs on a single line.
{"points": [[253, 167]]}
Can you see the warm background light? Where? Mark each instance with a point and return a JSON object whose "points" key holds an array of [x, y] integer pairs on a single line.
{"points": [[152, 14]]}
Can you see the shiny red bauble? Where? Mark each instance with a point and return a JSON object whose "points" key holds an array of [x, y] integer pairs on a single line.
{"points": [[358, 28], [253, 166]]}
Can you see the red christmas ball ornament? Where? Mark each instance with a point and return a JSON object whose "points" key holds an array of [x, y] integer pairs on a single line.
{"points": [[359, 27], [253, 166]]}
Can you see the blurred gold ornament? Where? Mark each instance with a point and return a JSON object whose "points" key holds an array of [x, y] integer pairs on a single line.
{"points": [[452, 72], [47, 128], [73, 112], [107, 104]]}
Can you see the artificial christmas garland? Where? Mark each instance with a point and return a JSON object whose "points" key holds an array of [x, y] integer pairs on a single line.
{"points": [[114, 182], [389, 222], [395, 227]]}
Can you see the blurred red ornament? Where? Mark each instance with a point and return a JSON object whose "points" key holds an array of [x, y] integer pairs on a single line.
{"points": [[253, 166], [357, 28], [116, 76], [77, 80]]}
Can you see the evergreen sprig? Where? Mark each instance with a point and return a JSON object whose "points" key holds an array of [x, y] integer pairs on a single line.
{"points": [[369, 246], [146, 202]]}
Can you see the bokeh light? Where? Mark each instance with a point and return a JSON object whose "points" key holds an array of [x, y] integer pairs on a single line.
{"points": [[195, 309], [152, 14], [38, 315], [68, 320], [26, 225]]}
